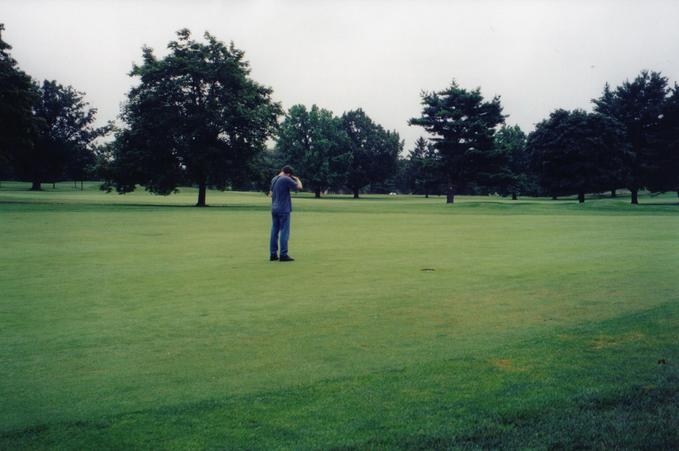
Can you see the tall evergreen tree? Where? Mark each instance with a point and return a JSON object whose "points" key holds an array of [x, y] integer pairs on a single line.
{"points": [[463, 126], [424, 167], [374, 151], [576, 152], [314, 142], [18, 95], [195, 115], [638, 105]]}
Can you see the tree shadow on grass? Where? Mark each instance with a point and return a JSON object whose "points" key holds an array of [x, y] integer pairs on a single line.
{"points": [[137, 205]]}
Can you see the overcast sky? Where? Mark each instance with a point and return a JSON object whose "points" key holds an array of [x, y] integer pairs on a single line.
{"points": [[378, 55]]}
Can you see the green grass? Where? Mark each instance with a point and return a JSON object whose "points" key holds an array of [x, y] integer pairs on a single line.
{"points": [[137, 321]]}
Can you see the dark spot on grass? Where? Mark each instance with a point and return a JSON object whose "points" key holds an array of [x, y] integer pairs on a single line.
{"points": [[427, 269]]}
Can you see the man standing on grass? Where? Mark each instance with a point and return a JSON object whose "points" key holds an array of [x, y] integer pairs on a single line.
{"points": [[281, 206]]}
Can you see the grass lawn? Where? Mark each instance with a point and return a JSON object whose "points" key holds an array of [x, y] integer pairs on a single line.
{"points": [[138, 321]]}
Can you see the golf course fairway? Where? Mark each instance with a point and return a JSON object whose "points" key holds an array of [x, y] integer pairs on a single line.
{"points": [[140, 321]]}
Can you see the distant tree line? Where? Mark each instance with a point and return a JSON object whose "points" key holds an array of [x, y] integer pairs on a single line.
{"points": [[197, 118], [631, 140]]}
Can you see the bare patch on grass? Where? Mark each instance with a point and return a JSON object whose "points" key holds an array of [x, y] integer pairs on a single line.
{"points": [[610, 341]]}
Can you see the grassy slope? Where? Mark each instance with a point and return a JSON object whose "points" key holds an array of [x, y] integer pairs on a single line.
{"points": [[134, 320]]}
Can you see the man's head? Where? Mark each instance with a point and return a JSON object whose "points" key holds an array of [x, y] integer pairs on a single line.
{"points": [[287, 170]]}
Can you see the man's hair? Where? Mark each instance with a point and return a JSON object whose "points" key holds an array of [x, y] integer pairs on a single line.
{"points": [[288, 170]]}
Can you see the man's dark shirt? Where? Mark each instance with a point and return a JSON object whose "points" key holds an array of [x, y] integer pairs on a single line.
{"points": [[280, 193]]}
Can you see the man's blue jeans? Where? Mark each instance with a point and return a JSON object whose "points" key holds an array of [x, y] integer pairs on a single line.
{"points": [[280, 225]]}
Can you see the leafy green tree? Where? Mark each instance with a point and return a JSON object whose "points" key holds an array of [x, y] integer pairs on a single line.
{"points": [[463, 126], [18, 95], [195, 115], [374, 151], [314, 142], [576, 152], [424, 168], [64, 134], [638, 105], [516, 178]]}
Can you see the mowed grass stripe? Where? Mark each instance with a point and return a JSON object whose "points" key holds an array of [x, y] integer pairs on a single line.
{"points": [[549, 391]]}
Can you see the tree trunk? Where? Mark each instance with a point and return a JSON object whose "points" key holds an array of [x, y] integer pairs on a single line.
{"points": [[81, 185], [450, 195], [355, 193], [553, 197], [635, 196], [201, 194], [581, 197], [613, 193], [426, 195], [317, 193], [36, 186], [514, 197], [54, 185], [75, 184]]}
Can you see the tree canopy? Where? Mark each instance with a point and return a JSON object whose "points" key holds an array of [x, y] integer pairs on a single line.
{"points": [[575, 152], [515, 179], [196, 115], [64, 134], [638, 106], [663, 167], [316, 144], [373, 150], [18, 95], [463, 126]]}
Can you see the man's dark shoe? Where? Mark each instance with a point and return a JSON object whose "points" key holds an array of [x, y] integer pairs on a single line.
{"points": [[273, 257], [287, 258]]}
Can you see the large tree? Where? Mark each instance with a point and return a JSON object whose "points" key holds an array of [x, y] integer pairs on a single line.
{"points": [[195, 115], [314, 142], [64, 135], [638, 105], [576, 152], [463, 127], [18, 95], [373, 151]]}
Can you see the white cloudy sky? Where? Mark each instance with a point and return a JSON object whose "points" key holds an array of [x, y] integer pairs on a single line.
{"points": [[374, 54]]}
